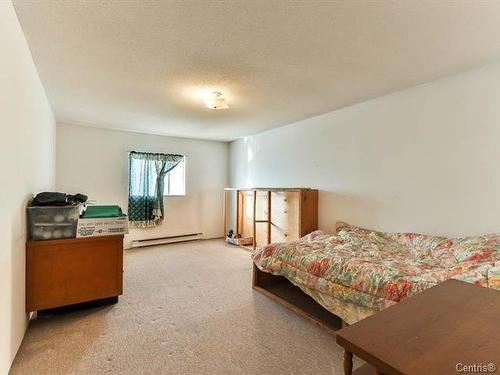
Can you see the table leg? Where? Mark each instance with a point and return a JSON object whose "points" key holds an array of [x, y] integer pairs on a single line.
{"points": [[347, 362]]}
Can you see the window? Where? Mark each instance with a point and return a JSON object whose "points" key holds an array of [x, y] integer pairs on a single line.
{"points": [[142, 177], [151, 177], [175, 180]]}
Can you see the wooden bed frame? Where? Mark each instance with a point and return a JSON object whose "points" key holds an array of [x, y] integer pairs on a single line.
{"points": [[282, 291]]}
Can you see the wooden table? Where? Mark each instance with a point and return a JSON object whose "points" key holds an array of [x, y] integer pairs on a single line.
{"points": [[439, 331]]}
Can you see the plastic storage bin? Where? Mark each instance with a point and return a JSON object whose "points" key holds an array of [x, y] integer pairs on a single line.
{"points": [[52, 222]]}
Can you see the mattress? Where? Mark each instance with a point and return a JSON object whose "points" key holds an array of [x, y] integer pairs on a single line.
{"points": [[358, 272]]}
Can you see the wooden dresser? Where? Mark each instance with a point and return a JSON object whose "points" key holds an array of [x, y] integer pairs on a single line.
{"points": [[74, 270], [262, 216]]}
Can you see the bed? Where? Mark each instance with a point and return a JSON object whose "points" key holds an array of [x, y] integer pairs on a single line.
{"points": [[356, 272]]}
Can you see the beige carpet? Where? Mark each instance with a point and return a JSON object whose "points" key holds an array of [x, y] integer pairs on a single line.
{"points": [[187, 309]]}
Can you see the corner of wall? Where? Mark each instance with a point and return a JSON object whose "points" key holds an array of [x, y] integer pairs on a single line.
{"points": [[32, 140]]}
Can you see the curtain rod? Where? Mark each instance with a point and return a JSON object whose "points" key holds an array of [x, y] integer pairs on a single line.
{"points": [[153, 153]]}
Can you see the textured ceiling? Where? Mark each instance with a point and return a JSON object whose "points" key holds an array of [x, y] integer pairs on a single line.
{"points": [[140, 65]]}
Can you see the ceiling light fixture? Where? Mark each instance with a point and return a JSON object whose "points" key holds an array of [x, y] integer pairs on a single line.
{"points": [[215, 100]]}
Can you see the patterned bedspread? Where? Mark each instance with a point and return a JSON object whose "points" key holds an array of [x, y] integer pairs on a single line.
{"points": [[358, 271]]}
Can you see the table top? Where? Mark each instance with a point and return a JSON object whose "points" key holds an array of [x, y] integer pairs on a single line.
{"points": [[438, 331]]}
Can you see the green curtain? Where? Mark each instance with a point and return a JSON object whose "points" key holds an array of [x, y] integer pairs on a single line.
{"points": [[147, 173]]}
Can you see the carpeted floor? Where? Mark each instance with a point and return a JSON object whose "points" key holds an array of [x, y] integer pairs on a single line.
{"points": [[187, 309]]}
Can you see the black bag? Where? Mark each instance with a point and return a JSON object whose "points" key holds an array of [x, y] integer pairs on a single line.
{"points": [[52, 198]]}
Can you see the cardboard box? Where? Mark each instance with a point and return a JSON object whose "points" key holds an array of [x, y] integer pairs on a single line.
{"points": [[107, 226]]}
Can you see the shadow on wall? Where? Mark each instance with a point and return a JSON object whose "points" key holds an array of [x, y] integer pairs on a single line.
{"points": [[353, 209], [18, 317]]}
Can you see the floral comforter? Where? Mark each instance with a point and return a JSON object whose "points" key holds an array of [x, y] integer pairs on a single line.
{"points": [[374, 270]]}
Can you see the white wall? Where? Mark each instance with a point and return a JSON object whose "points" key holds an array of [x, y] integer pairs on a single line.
{"points": [[27, 165], [425, 159], [94, 162]]}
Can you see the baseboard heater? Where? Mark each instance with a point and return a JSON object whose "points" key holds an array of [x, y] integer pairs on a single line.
{"points": [[166, 240]]}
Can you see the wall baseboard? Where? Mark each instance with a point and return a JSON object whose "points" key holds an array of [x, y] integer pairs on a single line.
{"points": [[166, 240]]}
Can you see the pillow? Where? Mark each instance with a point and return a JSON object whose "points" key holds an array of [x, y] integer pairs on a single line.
{"points": [[343, 226], [409, 240]]}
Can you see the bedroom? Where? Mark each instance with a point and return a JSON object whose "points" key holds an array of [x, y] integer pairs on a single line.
{"points": [[388, 109]]}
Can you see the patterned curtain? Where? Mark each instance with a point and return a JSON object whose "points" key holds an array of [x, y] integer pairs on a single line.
{"points": [[146, 182]]}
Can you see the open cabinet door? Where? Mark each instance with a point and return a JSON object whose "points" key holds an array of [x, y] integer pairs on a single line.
{"points": [[262, 226], [245, 214], [230, 211]]}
